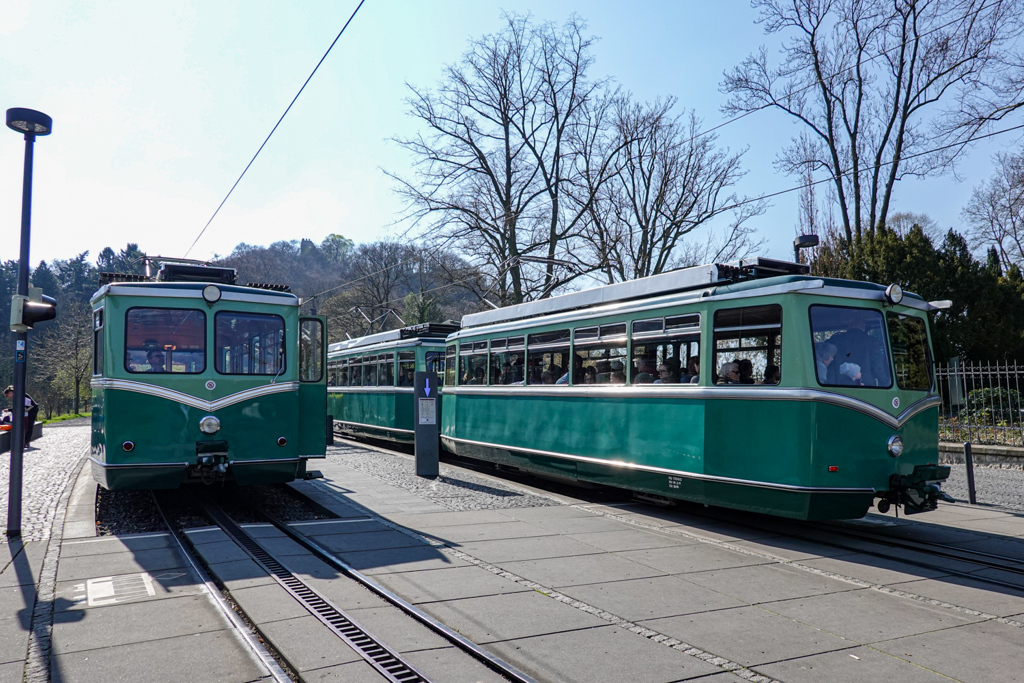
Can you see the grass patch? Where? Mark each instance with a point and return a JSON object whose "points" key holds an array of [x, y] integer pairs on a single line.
{"points": [[61, 418]]}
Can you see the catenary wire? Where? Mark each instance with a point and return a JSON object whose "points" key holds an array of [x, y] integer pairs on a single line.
{"points": [[275, 126]]}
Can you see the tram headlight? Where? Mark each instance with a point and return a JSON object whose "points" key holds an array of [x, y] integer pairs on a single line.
{"points": [[894, 293], [895, 445], [209, 425], [211, 294]]}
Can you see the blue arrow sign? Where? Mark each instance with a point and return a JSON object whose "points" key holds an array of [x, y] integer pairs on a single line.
{"points": [[426, 386]]}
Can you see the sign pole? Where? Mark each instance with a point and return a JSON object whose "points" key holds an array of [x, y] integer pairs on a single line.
{"points": [[427, 441]]}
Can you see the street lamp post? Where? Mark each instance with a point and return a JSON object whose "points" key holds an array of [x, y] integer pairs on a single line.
{"points": [[31, 123], [803, 242]]}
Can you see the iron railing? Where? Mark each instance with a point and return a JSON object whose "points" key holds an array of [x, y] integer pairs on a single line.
{"points": [[981, 403]]}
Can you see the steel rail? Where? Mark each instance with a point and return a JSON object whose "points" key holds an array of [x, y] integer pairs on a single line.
{"points": [[217, 597]]}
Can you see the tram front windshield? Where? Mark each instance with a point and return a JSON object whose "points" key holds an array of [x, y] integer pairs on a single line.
{"points": [[850, 347], [162, 340]]}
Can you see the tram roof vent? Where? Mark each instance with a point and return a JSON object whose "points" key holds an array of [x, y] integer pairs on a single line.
{"points": [[273, 288], [109, 278], [188, 272], [430, 330]]}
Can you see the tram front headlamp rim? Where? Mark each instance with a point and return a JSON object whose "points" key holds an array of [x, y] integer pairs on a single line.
{"points": [[894, 294], [209, 425], [895, 445], [211, 294]]}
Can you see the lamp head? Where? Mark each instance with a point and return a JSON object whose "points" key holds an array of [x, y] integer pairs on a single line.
{"points": [[29, 121], [805, 241]]}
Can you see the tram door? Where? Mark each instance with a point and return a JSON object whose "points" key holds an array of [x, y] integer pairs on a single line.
{"points": [[312, 387]]}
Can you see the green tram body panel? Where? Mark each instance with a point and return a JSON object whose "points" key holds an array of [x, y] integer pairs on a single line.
{"points": [[796, 449], [159, 412], [382, 411]]}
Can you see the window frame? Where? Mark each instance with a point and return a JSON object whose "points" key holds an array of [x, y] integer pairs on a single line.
{"points": [[98, 355], [284, 346], [928, 362], [768, 348], [205, 351], [887, 347]]}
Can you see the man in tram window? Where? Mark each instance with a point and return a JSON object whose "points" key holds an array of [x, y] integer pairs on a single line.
{"points": [[155, 358]]}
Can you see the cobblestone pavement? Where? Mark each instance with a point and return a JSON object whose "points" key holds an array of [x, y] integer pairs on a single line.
{"points": [[455, 488], [993, 485], [49, 468]]}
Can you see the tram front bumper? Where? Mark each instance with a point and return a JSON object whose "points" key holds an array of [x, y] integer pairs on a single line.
{"points": [[919, 491]]}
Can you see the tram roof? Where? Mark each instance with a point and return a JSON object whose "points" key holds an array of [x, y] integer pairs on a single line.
{"points": [[425, 331], [195, 290], [696, 277]]}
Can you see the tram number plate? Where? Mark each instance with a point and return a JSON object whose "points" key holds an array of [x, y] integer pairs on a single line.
{"points": [[428, 411], [674, 482]]}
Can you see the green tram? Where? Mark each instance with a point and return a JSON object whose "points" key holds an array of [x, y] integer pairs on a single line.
{"points": [[197, 379], [370, 379], [751, 385]]}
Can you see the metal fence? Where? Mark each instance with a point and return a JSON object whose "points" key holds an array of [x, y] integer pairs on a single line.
{"points": [[981, 403]]}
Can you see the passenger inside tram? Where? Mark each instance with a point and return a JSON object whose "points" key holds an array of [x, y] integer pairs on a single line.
{"points": [[729, 373], [645, 372], [692, 374], [746, 371], [668, 372]]}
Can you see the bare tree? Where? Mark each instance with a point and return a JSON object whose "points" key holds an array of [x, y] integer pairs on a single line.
{"points": [[67, 347], [995, 211], [879, 86], [670, 180], [498, 171]]}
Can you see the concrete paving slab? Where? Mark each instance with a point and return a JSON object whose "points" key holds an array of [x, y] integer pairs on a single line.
{"points": [[215, 656], [997, 545], [1006, 526], [369, 540], [116, 564], [966, 592], [449, 518], [976, 653], [531, 548], [14, 639], [573, 571], [661, 596], [81, 529], [400, 560], [241, 574], [307, 644], [210, 534], [172, 583], [868, 616], [582, 525], [748, 635], [20, 563], [452, 666], [768, 582], [855, 665], [281, 546], [550, 512], [392, 626], [347, 595], [12, 672], [221, 551], [268, 603], [448, 584], [16, 602], [954, 514], [353, 672], [137, 622], [873, 569], [515, 615], [691, 558], [789, 548], [103, 545], [600, 655], [1012, 578], [631, 539], [455, 535], [338, 526]]}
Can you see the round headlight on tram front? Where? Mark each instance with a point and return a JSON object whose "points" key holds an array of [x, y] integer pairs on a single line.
{"points": [[209, 425], [895, 445], [211, 294], [894, 294]]}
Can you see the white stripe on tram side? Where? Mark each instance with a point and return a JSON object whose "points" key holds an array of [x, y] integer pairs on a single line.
{"points": [[195, 401]]}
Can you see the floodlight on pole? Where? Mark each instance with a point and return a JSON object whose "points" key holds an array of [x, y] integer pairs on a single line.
{"points": [[31, 124], [803, 242]]}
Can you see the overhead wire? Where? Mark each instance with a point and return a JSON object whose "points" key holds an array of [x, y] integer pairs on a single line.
{"points": [[224, 201]]}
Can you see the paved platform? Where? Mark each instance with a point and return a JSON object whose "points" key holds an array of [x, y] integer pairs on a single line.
{"points": [[564, 590]]}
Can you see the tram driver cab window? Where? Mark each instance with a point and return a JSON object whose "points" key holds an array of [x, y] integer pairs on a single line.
{"points": [[849, 347], [165, 340], [748, 345]]}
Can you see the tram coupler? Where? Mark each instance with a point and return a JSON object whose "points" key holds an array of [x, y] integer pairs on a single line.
{"points": [[211, 460], [919, 491]]}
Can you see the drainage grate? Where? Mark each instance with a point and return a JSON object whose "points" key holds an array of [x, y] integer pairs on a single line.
{"points": [[387, 662]]}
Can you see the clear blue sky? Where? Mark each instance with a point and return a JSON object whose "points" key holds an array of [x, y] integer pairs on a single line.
{"points": [[158, 106]]}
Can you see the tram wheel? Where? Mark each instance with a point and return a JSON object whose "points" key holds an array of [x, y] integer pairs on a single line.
{"points": [[883, 505]]}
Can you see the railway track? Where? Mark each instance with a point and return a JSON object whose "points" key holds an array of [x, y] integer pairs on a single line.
{"points": [[386, 660]]}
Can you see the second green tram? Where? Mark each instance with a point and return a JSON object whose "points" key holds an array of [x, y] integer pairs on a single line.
{"points": [[370, 379], [751, 385]]}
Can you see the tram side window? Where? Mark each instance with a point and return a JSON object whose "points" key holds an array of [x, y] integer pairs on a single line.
{"points": [[406, 368], [355, 372], [386, 371], [435, 363], [849, 347], [311, 349], [547, 360], [97, 342], [473, 364], [333, 371], [165, 340], [370, 371], [748, 345], [450, 367], [249, 343], [910, 352], [599, 355], [343, 373]]}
